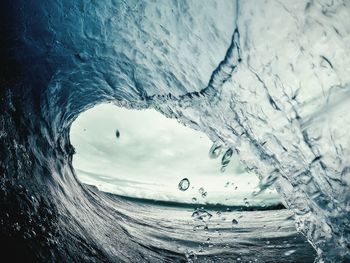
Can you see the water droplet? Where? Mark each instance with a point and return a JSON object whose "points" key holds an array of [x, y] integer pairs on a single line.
{"points": [[203, 192], [201, 214], [195, 228], [226, 158], [17, 226], [267, 182], [184, 184], [117, 133], [215, 151], [190, 256], [246, 202]]}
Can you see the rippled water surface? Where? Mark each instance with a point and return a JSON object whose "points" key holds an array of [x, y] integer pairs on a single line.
{"points": [[182, 234]]}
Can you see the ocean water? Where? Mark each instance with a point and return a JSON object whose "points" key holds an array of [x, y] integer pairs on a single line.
{"points": [[267, 80], [215, 234]]}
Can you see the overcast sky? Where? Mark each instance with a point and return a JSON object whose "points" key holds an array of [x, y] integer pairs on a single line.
{"points": [[151, 156]]}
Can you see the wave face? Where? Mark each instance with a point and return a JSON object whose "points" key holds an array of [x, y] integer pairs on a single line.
{"points": [[266, 79]]}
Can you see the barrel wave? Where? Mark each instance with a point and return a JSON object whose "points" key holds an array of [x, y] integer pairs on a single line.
{"points": [[267, 80]]}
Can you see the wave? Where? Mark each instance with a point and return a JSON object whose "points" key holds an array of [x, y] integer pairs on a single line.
{"points": [[267, 80]]}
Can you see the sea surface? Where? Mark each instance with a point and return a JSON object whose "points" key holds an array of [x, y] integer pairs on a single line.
{"points": [[221, 234]]}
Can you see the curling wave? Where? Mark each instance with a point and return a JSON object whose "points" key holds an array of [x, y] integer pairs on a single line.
{"points": [[267, 80]]}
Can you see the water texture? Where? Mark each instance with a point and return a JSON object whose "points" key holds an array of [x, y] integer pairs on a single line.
{"points": [[267, 79]]}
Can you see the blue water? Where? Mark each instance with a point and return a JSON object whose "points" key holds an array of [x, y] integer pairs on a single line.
{"points": [[268, 80]]}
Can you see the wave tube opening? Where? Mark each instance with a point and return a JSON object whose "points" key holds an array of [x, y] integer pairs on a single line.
{"points": [[143, 158], [142, 154]]}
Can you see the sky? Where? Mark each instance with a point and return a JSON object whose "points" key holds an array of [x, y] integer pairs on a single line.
{"points": [[152, 155]]}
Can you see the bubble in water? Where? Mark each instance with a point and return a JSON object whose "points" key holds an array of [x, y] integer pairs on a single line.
{"points": [[234, 222], [184, 184], [117, 133], [215, 151]]}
